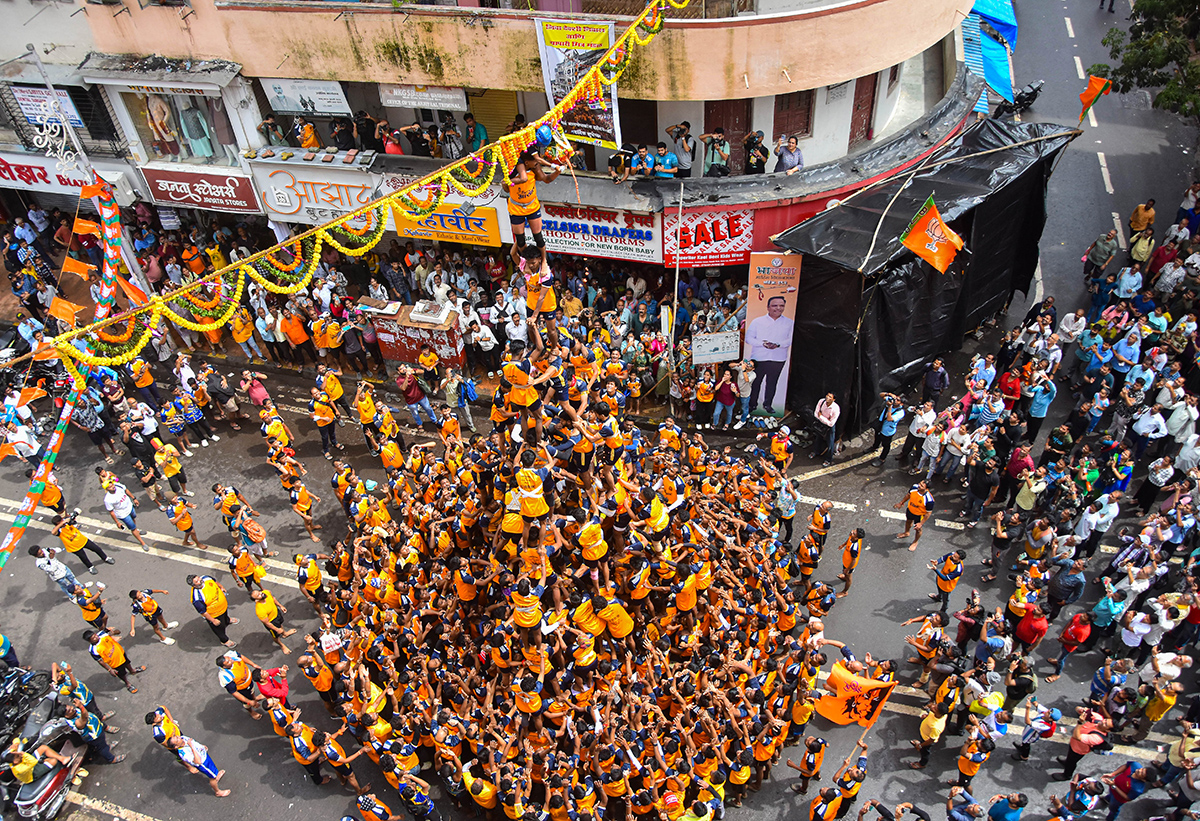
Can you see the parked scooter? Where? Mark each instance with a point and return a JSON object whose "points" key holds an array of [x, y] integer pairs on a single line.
{"points": [[1023, 100], [42, 799]]}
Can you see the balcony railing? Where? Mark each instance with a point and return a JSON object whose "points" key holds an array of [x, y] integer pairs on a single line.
{"points": [[696, 10]]}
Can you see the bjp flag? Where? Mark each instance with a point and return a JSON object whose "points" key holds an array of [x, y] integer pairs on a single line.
{"points": [[853, 699], [83, 226], [930, 238], [1097, 87]]}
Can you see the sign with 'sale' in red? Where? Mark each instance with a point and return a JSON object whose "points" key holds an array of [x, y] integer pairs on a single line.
{"points": [[708, 237]]}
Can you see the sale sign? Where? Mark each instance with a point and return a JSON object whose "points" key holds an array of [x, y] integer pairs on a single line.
{"points": [[702, 238]]}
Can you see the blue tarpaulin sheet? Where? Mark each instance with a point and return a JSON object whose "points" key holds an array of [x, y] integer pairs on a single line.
{"points": [[1000, 14], [986, 58]]}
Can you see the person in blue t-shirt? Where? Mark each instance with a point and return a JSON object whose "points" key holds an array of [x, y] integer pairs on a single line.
{"points": [[642, 164], [1008, 807], [666, 163]]}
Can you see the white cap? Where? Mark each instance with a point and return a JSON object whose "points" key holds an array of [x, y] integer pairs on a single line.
{"points": [[785, 430]]}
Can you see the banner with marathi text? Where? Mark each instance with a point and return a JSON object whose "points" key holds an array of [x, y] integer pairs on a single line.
{"points": [[853, 699], [570, 49]]}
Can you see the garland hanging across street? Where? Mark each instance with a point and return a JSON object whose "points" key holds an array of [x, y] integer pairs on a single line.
{"points": [[288, 267]]}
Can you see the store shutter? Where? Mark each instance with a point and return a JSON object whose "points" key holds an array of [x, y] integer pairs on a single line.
{"points": [[494, 109]]}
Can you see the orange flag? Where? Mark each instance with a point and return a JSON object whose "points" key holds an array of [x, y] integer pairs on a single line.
{"points": [[30, 395], [64, 310], [930, 238], [7, 450], [83, 226], [1097, 87], [853, 699], [73, 266], [135, 294], [46, 352], [93, 190]]}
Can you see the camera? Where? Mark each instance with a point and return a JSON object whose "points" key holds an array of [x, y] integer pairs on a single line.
{"points": [[71, 517]]}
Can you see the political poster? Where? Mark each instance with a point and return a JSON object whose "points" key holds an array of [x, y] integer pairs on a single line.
{"points": [[569, 49], [853, 699], [770, 322]]}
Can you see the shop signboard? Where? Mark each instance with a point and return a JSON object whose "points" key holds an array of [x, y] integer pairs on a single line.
{"points": [[395, 95], [319, 98], [450, 223], [611, 233], [311, 194], [210, 190], [703, 238], [35, 103], [34, 172]]}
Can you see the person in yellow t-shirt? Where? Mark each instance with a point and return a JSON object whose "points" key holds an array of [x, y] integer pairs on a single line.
{"points": [[166, 457], [270, 612], [76, 542]]}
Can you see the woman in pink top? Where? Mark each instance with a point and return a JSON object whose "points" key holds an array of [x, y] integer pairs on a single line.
{"points": [[254, 388]]}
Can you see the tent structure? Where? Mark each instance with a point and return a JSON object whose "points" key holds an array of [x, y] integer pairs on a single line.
{"points": [[989, 34], [870, 313]]}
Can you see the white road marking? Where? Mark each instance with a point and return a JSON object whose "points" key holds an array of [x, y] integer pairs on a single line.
{"points": [[840, 466], [1092, 117], [107, 808], [173, 553], [1120, 231], [1070, 28], [1038, 285], [1108, 186], [1079, 68], [813, 500], [942, 523]]}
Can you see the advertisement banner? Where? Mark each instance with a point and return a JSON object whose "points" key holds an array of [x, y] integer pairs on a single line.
{"points": [[311, 194], [602, 232], [33, 172], [309, 97], [395, 95], [770, 319], [450, 223], [212, 190], [35, 102], [708, 237], [718, 347], [568, 49]]}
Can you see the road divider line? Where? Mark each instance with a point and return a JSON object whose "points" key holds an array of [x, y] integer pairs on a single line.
{"points": [[107, 807], [1092, 117], [852, 463], [1120, 231], [1070, 28], [1079, 68], [104, 528], [1108, 186], [813, 500]]}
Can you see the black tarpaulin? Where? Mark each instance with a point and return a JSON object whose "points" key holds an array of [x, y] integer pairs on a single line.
{"points": [[869, 318]]}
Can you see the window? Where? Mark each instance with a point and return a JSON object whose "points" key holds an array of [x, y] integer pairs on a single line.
{"points": [[893, 77], [794, 114], [190, 128], [99, 134]]}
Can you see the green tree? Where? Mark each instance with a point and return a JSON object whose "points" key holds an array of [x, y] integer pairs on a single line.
{"points": [[1161, 52]]}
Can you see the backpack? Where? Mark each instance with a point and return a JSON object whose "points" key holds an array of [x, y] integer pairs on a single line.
{"points": [[468, 391], [254, 531]]}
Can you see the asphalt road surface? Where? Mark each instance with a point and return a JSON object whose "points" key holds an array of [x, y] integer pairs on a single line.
{"points": [[1132, 152]]}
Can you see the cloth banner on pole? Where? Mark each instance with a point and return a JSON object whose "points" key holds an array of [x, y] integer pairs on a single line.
{"points": [[1096, 88], [770, 321], [929, 237], [853, 699], [569, 49]]}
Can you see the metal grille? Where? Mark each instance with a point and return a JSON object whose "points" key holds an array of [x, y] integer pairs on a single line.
{"points": [[99, 136], [696, 10]]}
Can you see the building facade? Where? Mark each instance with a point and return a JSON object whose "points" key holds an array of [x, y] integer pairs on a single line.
{"points": [[172, 96]]}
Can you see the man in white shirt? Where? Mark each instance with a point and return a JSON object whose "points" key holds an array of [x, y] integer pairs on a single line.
{"points": [[24, 442], [59, 573], [1179, 234], [515, 329], [922, 417], [637, 284], [1071, 326], [826, 414], [769, 344], [142, 414], [488, 345], [120, 504]]}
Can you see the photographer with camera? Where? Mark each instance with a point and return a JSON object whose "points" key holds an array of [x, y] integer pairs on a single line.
{"points": [[756, 153], [885, 426]]}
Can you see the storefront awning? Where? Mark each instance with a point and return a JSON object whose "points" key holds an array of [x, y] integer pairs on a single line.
{"points": [[131, 70], [986, 58]]}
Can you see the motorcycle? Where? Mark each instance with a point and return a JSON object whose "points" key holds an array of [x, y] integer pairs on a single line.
{"points": [[1023, 100], [42, 799], [20, 692]]}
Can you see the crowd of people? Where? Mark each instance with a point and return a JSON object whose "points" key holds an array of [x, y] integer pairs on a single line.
{"points": [[573, 616]]}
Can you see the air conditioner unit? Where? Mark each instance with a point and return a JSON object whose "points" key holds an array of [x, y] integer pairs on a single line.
{"points": [[123, 190]]}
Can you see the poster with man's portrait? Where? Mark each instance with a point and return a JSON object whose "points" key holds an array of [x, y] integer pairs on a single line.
{"points": [[770, 323]]}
